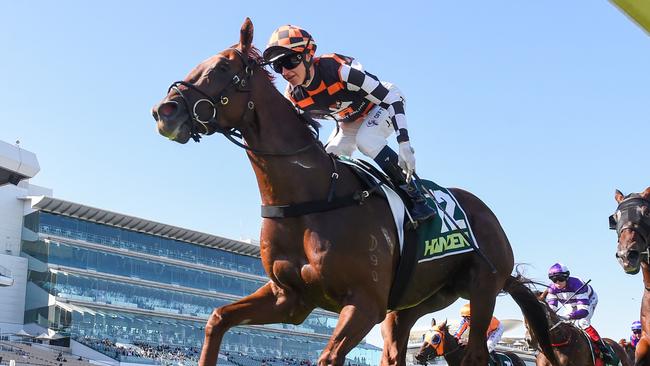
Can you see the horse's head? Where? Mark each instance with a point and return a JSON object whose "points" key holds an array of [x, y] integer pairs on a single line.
{"points": [[437, 342], [215, 96], [632, 224]]}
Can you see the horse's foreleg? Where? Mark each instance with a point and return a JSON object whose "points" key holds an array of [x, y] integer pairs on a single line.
{"points": [[396, 327], [269, 304], [483, 292], [355, 321]]}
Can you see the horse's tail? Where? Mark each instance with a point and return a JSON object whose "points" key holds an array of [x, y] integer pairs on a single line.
{"points": [[534, 312]]}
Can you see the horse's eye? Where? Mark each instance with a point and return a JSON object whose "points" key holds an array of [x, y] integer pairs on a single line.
{"points": [[223, 67]]}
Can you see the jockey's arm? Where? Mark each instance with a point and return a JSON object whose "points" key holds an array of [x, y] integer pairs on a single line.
{"points": [[357, 80], [494, 337], [552, 301], [581, 304], [464, 324]]}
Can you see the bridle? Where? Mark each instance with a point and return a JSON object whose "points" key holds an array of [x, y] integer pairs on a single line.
{"points": [[240, 81], [633, 213], [439, 347]]}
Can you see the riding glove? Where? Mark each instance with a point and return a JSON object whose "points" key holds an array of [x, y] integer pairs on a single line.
{"points": [[406, 158]]}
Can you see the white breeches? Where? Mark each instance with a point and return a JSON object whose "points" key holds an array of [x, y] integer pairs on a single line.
{"points": [[368, 134], [494, 338]]}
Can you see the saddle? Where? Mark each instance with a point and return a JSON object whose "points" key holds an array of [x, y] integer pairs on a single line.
{"points": [[500, 359]]}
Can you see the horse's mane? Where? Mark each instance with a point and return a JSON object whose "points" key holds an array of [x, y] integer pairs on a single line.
{"points": [[255, 55]]}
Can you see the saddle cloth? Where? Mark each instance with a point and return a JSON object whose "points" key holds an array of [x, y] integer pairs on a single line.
{"points": [[448, 233]]}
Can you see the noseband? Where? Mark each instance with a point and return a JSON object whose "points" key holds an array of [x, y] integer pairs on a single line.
{"points": [[632, 214], [240, 81]]}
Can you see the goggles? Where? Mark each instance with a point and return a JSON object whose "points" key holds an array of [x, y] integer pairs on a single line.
{"points": [[557, 279], [288, 62]]}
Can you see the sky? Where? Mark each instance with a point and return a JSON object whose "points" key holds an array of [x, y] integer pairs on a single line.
{"points": [[538, 108]]}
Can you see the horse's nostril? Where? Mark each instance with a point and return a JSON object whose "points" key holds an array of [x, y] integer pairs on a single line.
{"points": [[633, 255], [167, 109]]}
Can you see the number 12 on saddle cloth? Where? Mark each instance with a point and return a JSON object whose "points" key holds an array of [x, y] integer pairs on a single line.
{"points": [[440, 237]]}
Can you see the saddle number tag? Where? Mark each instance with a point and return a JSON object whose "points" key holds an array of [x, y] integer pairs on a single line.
{"points": [[444, 198]]}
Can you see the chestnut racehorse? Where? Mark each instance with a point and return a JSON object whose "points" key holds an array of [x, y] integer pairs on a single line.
{"points": [[571, 345], [341, 259], [632, 224], [440, 343]]}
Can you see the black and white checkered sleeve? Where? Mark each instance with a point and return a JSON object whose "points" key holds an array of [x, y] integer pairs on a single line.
{"points": [[357, 80]]}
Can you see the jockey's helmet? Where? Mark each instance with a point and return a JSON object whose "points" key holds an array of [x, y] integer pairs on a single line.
{"points": [[636, 325], [465, 310], [287, 40], [558, 270]]}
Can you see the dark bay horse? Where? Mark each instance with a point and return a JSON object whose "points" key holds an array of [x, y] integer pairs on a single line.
{"points": [[342, 259], [440, 343], [571, 345], [632, 224]]}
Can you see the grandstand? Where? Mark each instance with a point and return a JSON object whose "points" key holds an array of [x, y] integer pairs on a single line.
{"points": [[122, 289]]}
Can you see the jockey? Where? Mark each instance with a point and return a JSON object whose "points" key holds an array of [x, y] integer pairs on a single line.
{"points": [[366, 109], [636, 333], [494, 332], [573, 294]]}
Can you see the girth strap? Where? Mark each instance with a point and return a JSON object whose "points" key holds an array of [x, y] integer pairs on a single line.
{"points": [[305, 208], [331, 203]]}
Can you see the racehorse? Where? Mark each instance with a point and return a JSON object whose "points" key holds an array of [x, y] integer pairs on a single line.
{"points": [[439, 342], [631, 220], [341, 258], [629, 349], [571, 345]]}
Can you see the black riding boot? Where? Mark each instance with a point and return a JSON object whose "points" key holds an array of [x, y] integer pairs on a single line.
{"points": [[606, 353], [492, 359], [387, 160]]}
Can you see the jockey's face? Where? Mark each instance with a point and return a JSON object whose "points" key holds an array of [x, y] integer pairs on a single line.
{"points": [[295, 76]]}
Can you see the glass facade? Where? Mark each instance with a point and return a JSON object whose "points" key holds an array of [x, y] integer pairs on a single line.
{"points": [[115, 286]]}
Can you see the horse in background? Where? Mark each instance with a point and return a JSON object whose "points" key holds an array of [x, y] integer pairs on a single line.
{"points": [[627, 347], [342, 259], [439, 342], [571, 345], [631, 220]]}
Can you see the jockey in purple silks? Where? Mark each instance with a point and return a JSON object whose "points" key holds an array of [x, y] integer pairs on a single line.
{"points": [[636, 333], [572, 293]]}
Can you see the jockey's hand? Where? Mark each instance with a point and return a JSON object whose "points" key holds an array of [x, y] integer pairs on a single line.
{"points": [[406, 158]]}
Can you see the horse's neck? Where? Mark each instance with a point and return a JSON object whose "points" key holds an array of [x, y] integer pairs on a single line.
{"points": [[645, 302], [645, 270], [284, 179], [453, 355]]}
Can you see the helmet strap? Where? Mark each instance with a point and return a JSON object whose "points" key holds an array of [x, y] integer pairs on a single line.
{"points": [[307, 64]]}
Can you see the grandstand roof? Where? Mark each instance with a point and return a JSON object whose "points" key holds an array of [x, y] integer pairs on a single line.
{"points": [[88, 213]]}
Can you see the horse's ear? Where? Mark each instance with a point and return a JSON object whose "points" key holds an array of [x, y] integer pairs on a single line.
{"points": [[618, 196], [645, 194], [246, 35], [443, 324]]}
